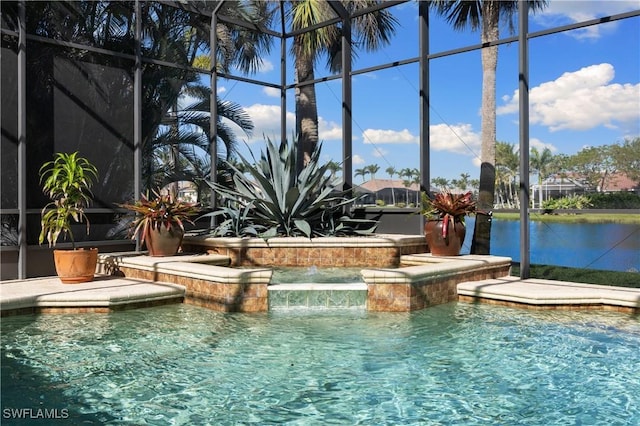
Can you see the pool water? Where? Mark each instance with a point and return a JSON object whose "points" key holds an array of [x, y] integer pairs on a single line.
{"points": [[451, 364], [313, 274]]}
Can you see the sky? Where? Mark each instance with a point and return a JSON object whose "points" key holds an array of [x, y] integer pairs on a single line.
{"points": [[585, 91]]}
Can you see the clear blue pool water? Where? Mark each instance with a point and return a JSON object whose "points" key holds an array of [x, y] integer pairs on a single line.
{"points": [[314, 274], [451, 364]]}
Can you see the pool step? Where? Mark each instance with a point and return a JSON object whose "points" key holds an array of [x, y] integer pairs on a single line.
{"points": [[318, 296]]}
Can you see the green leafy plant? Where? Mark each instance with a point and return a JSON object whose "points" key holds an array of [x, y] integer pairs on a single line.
{"points": [[67, 181], [575, 201], [448, 206], [159, 210], [271, 198]]}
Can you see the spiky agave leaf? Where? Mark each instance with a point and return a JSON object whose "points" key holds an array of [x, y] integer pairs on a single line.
{"points": [[280, 200]]}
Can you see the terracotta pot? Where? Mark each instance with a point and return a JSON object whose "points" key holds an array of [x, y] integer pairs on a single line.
{"points": [[163, 241], [76, 266], [444, 246]]}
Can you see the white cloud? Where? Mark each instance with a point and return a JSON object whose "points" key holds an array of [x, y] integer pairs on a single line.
{"points": [[221, 89], [357, 160], [329, 130], [581, 100], [265, 66], [459, 138], [379, 152], [271, 92], [266, 121], [540, 146], [572, 11], [375, 136]]}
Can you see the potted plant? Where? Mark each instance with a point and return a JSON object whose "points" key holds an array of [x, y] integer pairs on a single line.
{"points": [[67, 181], [445, 213], [160, 221]]}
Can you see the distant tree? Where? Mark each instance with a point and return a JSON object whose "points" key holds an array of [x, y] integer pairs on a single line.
{"points": [[372, 169], [333, 168], [461, 183], [440, 183], [540, 162], [626, 158], [595, 165], [407, 174], [361, 172], [507, 165], [391, 171]]}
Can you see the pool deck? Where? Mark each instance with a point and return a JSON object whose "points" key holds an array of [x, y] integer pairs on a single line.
{"points": [[109, 293]]}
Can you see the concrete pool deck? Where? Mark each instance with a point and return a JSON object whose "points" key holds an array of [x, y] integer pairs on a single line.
{"points": [[109, 293]]}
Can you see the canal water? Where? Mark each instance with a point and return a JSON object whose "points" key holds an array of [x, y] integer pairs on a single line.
{"points": [[606, 246]]}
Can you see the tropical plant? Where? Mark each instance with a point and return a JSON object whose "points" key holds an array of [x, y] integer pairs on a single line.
{"points": [[486, 17], [391, 171], [370, 31], [575, 201], [361, 172], [540, 162], [158, 211], [273, 199], [448, 206], [67, 181], [507, 166]]}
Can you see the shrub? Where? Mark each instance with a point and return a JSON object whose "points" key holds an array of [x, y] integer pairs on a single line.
{"points": [[273, 199], [615, 200], [570, 202]]}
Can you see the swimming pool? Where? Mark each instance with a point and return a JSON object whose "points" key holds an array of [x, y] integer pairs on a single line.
{"points": [[450, 364]]}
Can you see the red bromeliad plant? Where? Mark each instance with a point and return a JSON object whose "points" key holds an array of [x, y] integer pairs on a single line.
{"points": [[162, 210], [447, 206]]}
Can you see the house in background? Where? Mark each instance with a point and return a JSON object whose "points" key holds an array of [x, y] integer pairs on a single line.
{"points": [[388, 190], [619, 182]]}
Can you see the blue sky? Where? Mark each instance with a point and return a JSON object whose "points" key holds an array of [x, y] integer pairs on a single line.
{"points": [[585, 91]]}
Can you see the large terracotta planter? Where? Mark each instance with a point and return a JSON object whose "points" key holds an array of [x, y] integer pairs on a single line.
{"points": [[449, 245], [76, 266], [163, 241]]}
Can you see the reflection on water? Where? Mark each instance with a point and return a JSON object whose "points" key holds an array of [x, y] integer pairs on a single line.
{"points": [[606, 246], [456, 364]]}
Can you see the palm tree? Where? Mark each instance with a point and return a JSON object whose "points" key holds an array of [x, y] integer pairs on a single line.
{"points": [[372, 169], [391, 171], [361, 172], [369, 31], [409, 175], [484, 16], [507, 164], [440, 183], [540, 162], [333, 168]]}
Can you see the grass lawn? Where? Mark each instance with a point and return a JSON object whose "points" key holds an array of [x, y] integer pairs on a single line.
{"points": [[576, 275], [574, 217]]}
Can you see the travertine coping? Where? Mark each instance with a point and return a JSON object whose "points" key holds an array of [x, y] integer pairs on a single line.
{"points": [[101, 292], [315, 286], [379, 240], [547, 292], [425, 265], [201, 266]]}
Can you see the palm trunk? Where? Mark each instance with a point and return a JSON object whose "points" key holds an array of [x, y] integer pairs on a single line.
{"points": [[481, 243], [306, 110]]}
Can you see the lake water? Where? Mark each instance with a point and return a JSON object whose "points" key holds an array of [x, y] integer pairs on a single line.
{"points": [[606, 246]]}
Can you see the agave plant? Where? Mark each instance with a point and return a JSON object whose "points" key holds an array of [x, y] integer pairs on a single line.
{"points": [[448, 206], [272, 199]]}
